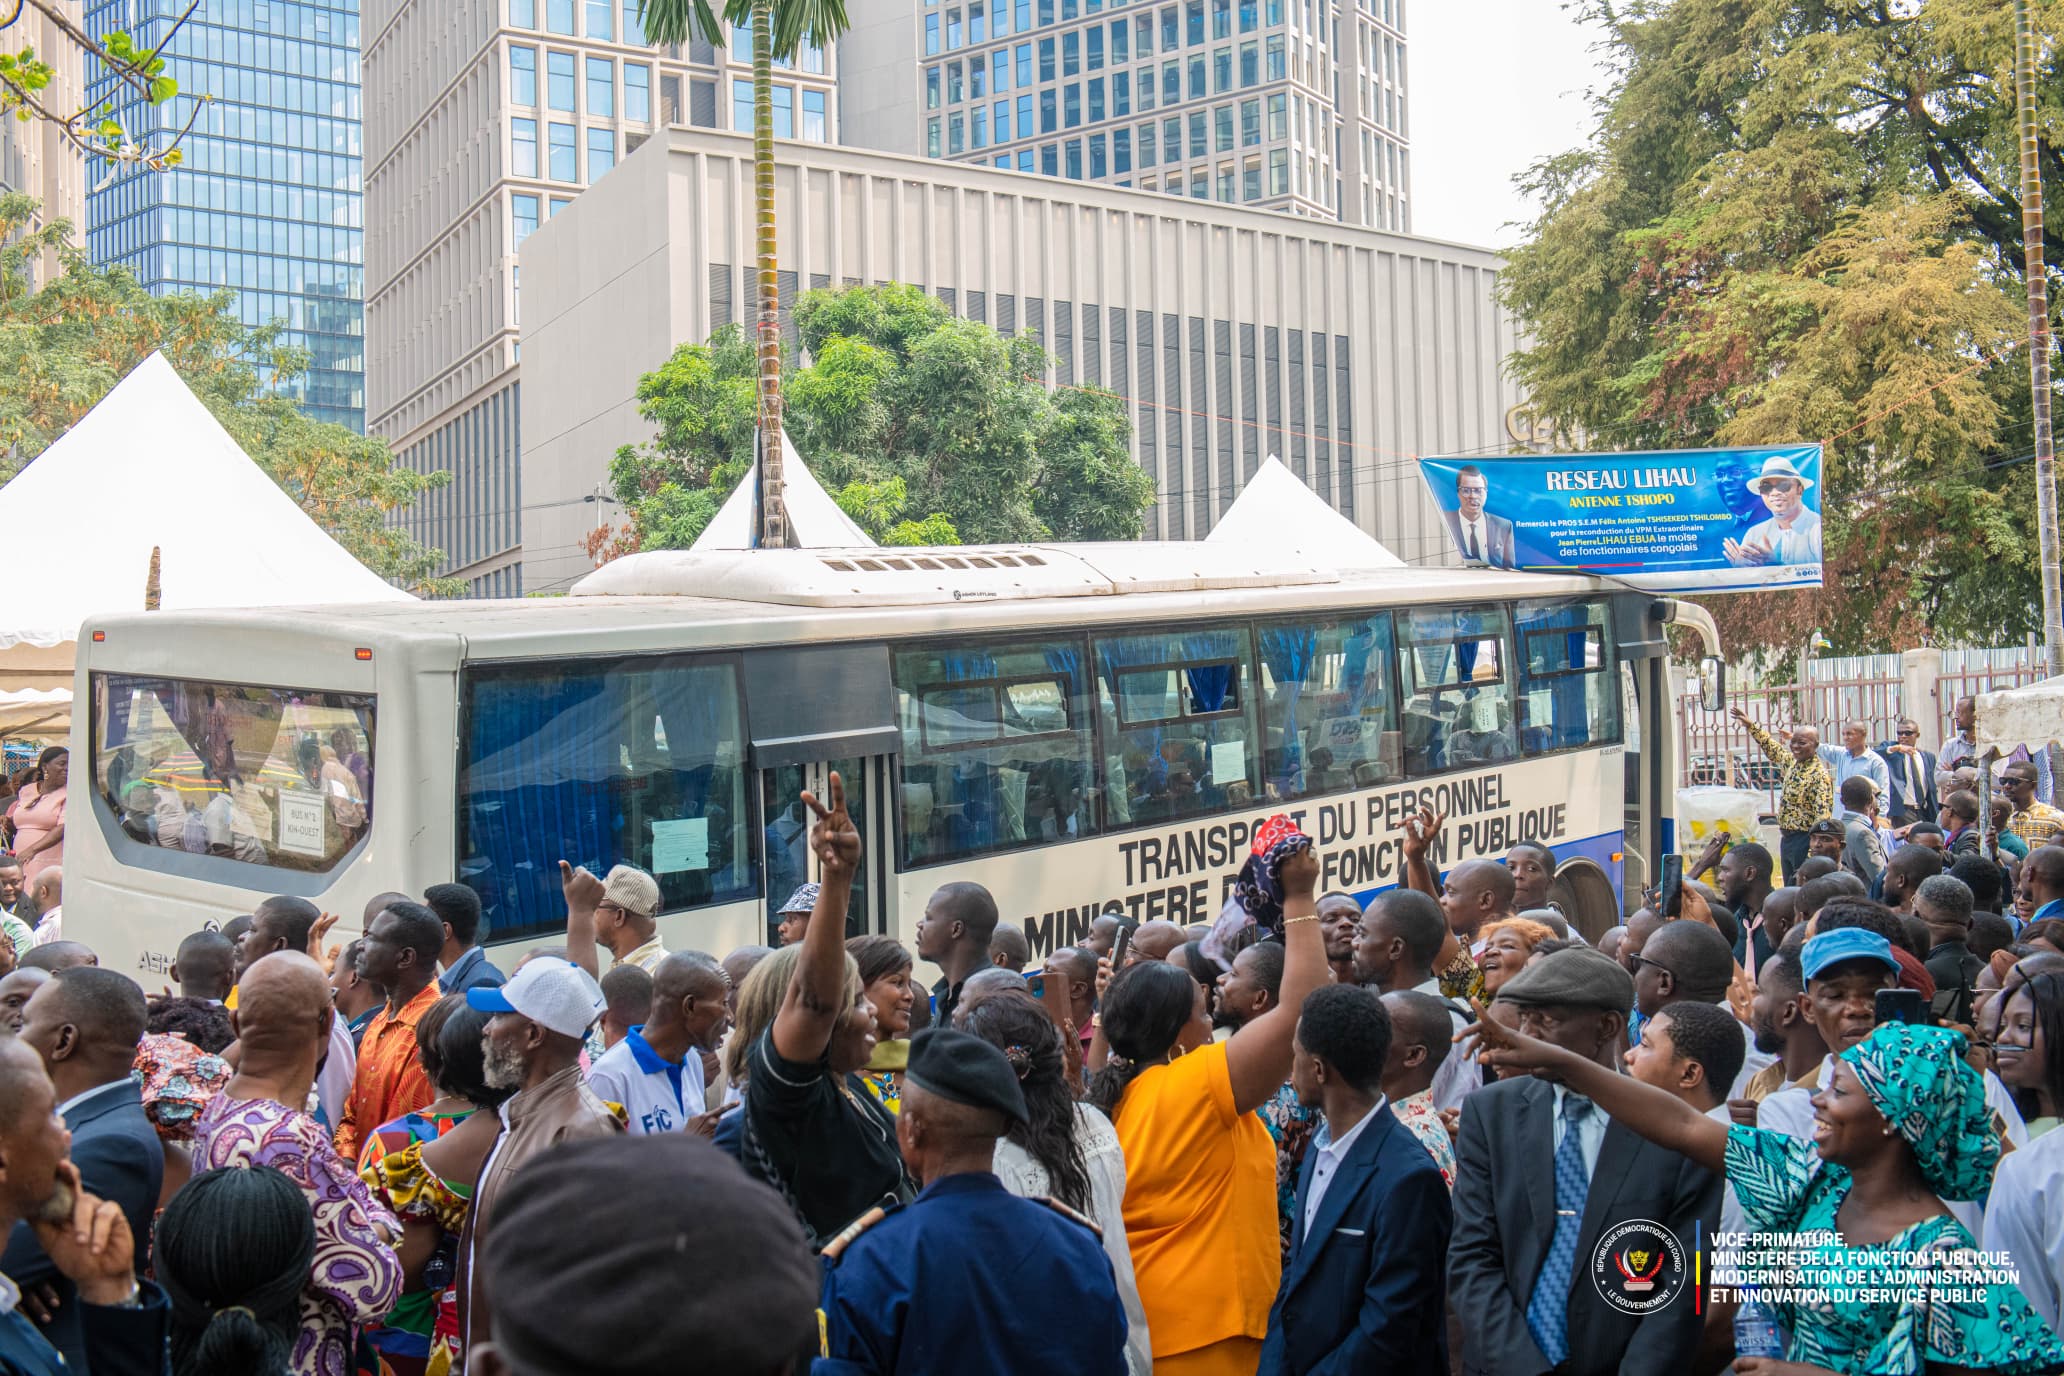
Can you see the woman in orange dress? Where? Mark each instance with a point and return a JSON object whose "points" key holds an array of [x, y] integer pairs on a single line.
{"points": [[39, 815], [1200, 1169]]}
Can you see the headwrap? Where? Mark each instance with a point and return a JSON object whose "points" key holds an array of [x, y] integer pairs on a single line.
{"points": [[1918, 1078], [177, 1080], [1258, 891]]}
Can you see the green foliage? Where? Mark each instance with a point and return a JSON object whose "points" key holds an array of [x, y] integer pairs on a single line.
{"points": [[1798, 220], [925, 428], [120, 69], [66, 343]]}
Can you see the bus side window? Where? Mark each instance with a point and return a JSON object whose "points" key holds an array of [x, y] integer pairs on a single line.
{"points": [[1457, 708], [1568, 675], [1329, 705], [1182, 729]]}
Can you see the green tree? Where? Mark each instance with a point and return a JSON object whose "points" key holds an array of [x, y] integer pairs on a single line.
{"points": [[926, 429], [65, 344], [134, 72], [1797, 220], [779, 29]]}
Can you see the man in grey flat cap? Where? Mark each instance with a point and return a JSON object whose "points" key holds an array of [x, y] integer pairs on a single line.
{"points": [[1527, 1242]]}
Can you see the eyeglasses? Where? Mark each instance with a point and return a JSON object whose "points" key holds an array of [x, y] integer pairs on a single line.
{"points": [[1640, 961], [1776, 485], [1909, 730]]}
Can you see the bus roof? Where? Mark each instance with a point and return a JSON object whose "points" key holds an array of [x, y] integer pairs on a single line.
{"points": [[772, 596]]}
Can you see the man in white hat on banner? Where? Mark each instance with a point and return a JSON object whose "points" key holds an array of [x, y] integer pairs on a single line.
{"points": [[1792, 534]]}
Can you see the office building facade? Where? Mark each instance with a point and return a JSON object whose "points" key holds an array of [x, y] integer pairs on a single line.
{"points": [[268, 199], [485, 118], [1295, 105], [34, 158], [1232, 333]]}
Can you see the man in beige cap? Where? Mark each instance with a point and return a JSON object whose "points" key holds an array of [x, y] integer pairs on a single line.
{"points": [[619, 912]]}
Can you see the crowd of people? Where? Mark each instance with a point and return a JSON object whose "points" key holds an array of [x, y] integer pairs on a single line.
{"points": [[1313, 1136]]}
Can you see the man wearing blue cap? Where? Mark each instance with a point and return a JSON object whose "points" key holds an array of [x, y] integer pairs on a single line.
{"points": [[967, 1277], [1845, 968]]}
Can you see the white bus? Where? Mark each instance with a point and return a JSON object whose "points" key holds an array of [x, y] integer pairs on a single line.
{"points": [[1079, 728]]}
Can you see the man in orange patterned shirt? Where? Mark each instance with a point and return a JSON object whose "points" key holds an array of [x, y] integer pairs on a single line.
{"points": [[399, 954]]}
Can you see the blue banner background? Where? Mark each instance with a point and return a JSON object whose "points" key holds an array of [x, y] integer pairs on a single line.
{"points": [[1672, 520]]}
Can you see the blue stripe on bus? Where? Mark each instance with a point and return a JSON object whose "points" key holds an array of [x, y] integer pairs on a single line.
{"points": [[1599, 849]]}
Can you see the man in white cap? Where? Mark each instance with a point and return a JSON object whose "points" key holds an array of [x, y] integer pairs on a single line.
{"points": [[1792, 534], [620, 912], [533, 1045]]}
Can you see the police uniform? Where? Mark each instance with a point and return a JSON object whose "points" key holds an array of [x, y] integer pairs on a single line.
{"points": [[969, 1277]]}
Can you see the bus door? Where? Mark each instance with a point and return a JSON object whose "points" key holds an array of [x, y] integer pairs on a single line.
{"points": [[814, 710]]}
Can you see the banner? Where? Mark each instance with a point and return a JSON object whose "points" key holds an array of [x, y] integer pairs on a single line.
{"points": [[1692, 520]]}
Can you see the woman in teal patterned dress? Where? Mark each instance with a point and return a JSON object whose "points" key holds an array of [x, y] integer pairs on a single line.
{"points": [[1902, 1126]]}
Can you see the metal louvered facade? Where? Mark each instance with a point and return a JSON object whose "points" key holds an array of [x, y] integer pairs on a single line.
{"points": [[1232, 333]]}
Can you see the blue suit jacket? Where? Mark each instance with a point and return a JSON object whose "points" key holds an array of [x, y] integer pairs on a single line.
{"points": [[1365, 1290], [472, 970], [119, 1342], [119, 1158]]}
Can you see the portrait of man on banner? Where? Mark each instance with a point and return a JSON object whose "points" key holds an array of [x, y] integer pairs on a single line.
{"points": [[1481, 537], [1792, 534]]}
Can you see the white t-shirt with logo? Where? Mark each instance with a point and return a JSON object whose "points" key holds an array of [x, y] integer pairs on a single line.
{"points": [[657, 1096]]}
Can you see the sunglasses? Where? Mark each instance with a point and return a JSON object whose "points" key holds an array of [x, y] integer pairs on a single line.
{"points": [[1640, 961]]}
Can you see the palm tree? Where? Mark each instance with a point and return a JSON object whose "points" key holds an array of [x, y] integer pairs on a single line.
{"points": [[779, 29]]}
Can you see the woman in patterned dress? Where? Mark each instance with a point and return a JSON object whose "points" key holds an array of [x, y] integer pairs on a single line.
{"points": [[1901, 1127]]}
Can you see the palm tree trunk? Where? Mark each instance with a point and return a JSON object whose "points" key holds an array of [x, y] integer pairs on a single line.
{"points": [[773, 531]]}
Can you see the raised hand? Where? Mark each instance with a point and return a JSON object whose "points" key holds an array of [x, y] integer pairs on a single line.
{"points": [[1103, 976], [316, 933], [1300, 874], [1495, 1044], [583, 890], [1420, 829], [834, 839]]}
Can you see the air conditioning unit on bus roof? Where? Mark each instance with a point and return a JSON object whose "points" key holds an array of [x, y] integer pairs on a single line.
{"points": [[921, 576]]}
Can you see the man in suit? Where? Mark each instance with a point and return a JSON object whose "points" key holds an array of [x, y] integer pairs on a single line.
{"points": [[1519, 1267], [1913, 776], [1481, 537], [1364, 1286], [84, 1024]]}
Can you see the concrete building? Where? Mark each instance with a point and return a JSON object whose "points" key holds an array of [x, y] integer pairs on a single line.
{"points": [[484, 119], [34, 157], [267, 201], [1235, 333], [1295, 105]]}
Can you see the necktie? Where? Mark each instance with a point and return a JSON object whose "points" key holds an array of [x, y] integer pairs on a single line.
{"points": [[1547, 1315], [1475, 550]]}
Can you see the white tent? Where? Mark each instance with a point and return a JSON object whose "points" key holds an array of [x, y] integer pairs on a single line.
{"points": [[1277, 512], [149, 467], [2031, 715], [814, 518]]}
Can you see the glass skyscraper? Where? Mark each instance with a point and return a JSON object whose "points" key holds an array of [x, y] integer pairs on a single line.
{"points": [[269, 200]]}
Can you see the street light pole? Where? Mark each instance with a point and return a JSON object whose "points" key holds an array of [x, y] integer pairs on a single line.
{"points": [[2038, 335]]}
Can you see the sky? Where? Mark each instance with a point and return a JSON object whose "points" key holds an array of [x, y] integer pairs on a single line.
{"points": [[1496, 85]]}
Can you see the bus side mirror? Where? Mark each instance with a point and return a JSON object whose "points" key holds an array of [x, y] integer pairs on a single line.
{"points": [[1713, 684]]}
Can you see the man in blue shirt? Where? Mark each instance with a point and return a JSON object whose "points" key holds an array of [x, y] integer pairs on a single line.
{"points": [[466, 965], [655, 1072], [967, 1277]]}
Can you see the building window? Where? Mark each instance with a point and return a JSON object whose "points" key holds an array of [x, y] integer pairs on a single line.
{"points": [[523, 76], [564, 166], [523, 146], [1250, 16], [1278, 119], [1096, 49], [1250, 180], [555, 204], [1225, 182], [1096, 99], [601, 153], [1222, 119], [1121, 151], [1199, 139], [1146, 89], [1250, 63], [978, 127], [1026, 128], [955, 93], [1275, 57], [1097, 166], [1071, 53], [1050, 159], [526, 215], [1120, 41], [1121, 94], [1221, 18], [1075, 159], [602, 19], [637, 92], [1048, 119], [1024, 160], [1171, 29], [1071, 105], [814, 129], [1147, 145], [1171, 140], [932, 137], [602, 87], [1001, 117], [559, 81], [1279, 172], [977, 79], [1198, 87], [633, 24], [1024, 18], [1193, 23], [1046, 59], [956, 134], [952, 30], [976, 29], [559, 16], [1024, 59], [931, 88], [522, 14], [741, 106], [931, 35], [1200, 186], [1171, 82], [999, 70]]}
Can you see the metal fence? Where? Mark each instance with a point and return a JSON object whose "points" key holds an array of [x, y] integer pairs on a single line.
{"points": [[1713, 748]]}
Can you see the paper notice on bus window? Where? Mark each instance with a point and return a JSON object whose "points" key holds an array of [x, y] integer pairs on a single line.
{"points": [[680, 845], [1342, 735], [1228, 761], [301, 822]]}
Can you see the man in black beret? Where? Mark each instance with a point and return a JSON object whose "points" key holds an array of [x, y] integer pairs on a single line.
{"points": [[698, 1268], [967, 1277]]}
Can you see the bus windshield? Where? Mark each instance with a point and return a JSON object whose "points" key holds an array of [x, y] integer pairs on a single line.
{"points": [[267, 775]]}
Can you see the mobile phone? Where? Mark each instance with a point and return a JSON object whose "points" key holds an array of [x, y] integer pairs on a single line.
{"points": [[1036, 982], [1125, 931], [1901, 1005], [1671, 903]]}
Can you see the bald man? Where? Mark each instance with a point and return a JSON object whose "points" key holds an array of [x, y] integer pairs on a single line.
{"points": [[1009, 949], [1154, 941], [656, 1071], [984, 984], [954, 934], [1476, 892], [84, 1024], [1689, 962], [283, 1021], [52, 956]]}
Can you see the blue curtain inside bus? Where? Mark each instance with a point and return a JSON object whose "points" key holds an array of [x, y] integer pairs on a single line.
{"points": [[1291, 654]]}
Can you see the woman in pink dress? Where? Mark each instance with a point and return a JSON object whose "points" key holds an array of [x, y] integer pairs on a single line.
{"points": [[39, 815]]}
